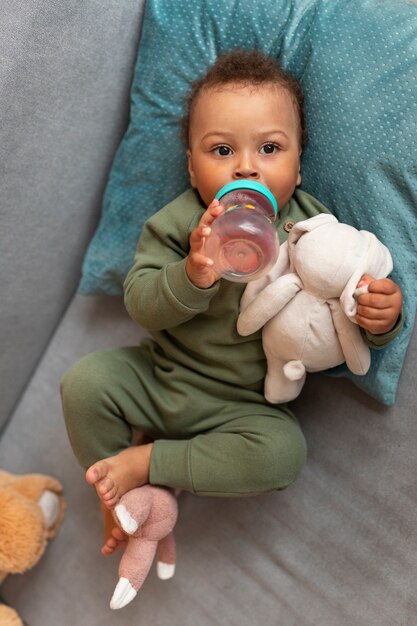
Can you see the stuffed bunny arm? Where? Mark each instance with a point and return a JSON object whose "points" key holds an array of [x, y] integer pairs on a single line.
{"points": [[268, 303], [253, 288], [356, 352]]}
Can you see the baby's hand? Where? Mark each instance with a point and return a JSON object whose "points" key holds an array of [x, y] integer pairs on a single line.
{"points": [[378, 310], [199, 267]]}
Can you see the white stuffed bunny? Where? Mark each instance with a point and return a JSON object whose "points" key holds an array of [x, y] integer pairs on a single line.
{"points": [[306, 304]]}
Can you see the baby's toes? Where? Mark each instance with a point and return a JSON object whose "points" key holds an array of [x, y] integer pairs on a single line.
{"points": [[118, 534], [96, 472], [110, 498], [107, 549], [113, 543], [106, 487]]}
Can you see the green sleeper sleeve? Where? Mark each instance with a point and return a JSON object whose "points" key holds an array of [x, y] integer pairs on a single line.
{"points": [[158, 293], [380, 341]]}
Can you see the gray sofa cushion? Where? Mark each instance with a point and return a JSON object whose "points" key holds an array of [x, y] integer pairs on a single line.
{"points": [[65, 73]]}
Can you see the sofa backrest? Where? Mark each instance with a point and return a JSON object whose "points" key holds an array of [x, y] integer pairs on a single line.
{"points": [[65, 75]]}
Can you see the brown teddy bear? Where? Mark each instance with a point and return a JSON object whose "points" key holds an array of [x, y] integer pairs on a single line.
{"points": [[32, 509]]}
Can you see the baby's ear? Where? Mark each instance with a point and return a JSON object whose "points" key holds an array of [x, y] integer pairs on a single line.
{"points": [[191, 169], [299, 179]]}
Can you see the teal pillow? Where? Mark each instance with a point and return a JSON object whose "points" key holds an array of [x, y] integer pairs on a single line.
{"points": [[357, 61]]}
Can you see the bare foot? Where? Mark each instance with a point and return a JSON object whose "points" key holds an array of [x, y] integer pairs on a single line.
{"points": [[114, 476], [114, 537]]}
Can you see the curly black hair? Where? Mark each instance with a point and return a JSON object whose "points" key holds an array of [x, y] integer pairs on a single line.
{"points": [[245, 67]]}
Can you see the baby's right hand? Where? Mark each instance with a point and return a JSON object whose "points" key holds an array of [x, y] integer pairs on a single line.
{"points": [[199, 267]]}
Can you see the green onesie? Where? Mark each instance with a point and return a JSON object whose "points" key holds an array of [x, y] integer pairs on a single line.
{"points": [[196, 385]]}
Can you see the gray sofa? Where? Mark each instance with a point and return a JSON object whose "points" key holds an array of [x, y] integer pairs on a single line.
{"points": [[339, 548]]}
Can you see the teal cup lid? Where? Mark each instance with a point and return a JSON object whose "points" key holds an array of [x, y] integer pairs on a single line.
{"points": [[252, 185]]}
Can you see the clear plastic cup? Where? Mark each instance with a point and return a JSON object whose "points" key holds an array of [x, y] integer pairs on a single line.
{"points": [[243, 243]]}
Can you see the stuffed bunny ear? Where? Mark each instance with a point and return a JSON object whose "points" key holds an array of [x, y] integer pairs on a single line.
{"points": [[306, 226], [280, 267], [376, 261]]}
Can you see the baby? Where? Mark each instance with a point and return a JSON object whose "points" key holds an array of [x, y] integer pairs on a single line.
{"points": [[195, 387]]}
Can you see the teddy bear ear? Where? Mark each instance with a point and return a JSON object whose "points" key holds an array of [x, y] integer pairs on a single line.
{"points": [[376, 261]]}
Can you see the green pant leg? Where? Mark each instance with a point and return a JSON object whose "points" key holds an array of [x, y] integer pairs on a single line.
{"points": [[103, 399], [246, 456]]}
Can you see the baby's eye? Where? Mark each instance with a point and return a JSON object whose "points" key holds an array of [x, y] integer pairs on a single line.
{"points": [[222, 151], [269, 148]]}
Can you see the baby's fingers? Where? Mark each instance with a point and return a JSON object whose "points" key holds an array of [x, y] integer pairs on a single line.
{"points": [[210, 214], [214, 208], [199, 261], [384, 286], [198, 237], [200, 271], [382, 294], [203, 230], [373, 301], [378, 310], [373, 312]]}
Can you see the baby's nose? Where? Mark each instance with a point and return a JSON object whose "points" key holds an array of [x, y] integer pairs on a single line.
{"points": [[246, 170]]}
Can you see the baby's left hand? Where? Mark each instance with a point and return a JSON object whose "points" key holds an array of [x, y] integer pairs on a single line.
{"points": [[378, 310]]}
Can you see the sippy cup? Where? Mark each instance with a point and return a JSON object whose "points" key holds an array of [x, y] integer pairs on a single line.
{"points": [[243, 242]]}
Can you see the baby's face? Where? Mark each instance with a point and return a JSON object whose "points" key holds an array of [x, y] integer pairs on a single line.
{"points": [[240, 132]]}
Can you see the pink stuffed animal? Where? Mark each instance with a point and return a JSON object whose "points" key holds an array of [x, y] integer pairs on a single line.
{"points": [[148, 515]]}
